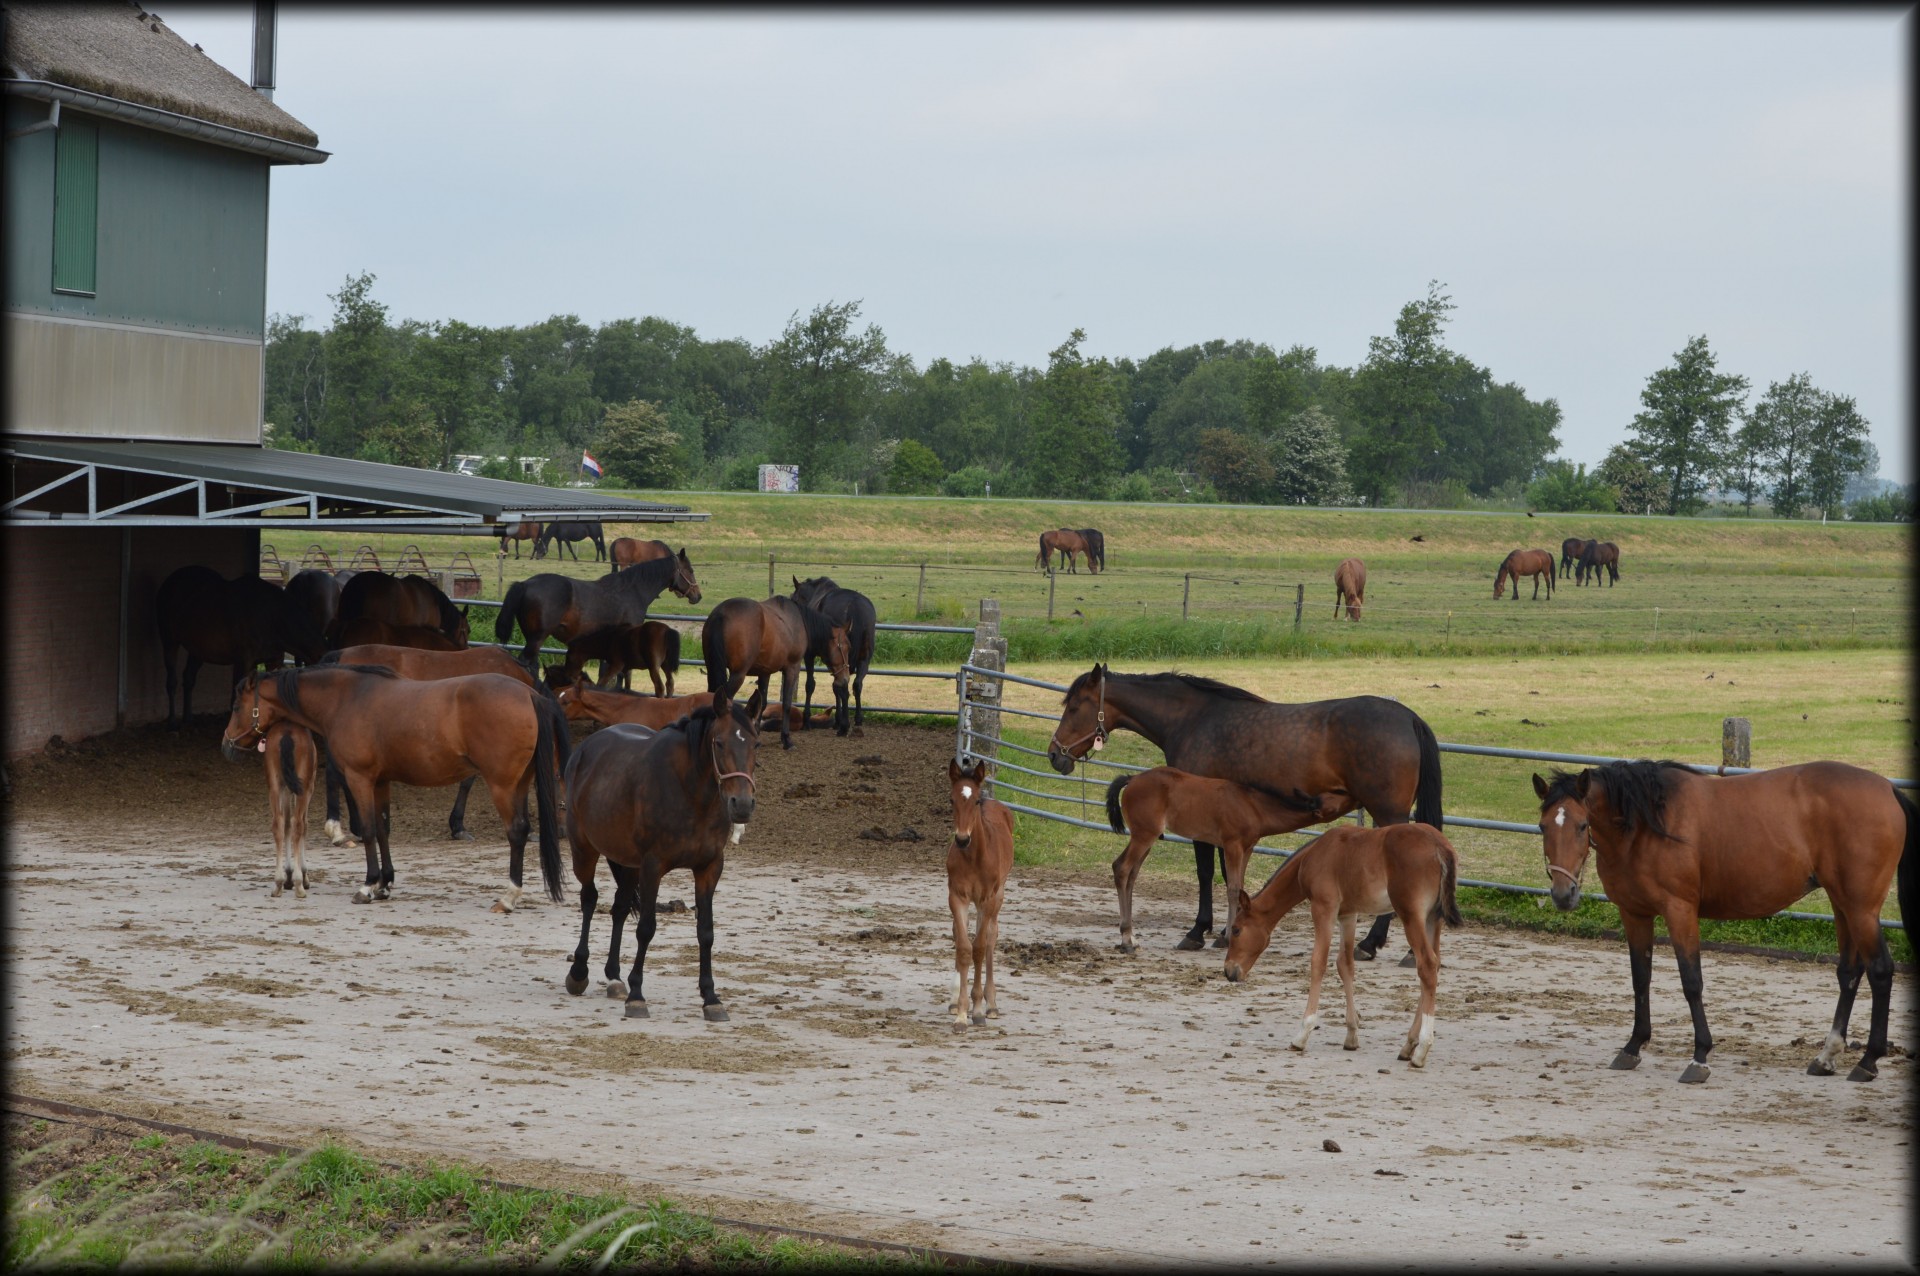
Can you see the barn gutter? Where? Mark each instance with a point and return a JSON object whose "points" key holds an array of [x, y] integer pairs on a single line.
{"points": [[277, 149]]}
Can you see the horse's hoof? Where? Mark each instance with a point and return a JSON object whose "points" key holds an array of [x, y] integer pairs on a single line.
{"points": [[993, 1012], [459, 835], [636, 1009], [1362, 952], [786, 744], [1220, 941], [276, 891], [1125, 947], [1191, 944], [301, 893], [1695, 1074], [716, 1013], [1861, 1072], [1406, 1053], [1409, 960], [1624, 1062], [1819, 1068], [500, 906], [1350, 1045], [576, 984], [363, 897], [615, 989], [385, 892]]}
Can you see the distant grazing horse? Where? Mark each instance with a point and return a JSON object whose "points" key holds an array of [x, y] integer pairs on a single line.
{"points": [[398, 600], [569, 535], [650, 802], [1065, 542], [1230, 816], [746, 638], [1341, 874], [239, 623], [978, 861], [1670, 843], [549, 603], [1524, 562], [1596, 555], [291, 760], [582, 703], [1377, 752], [523, 531], [621, 648], [1570, 553], [625, 551], [317, 593], [1350, 587], [855, 610], [382, 729], [358, 633], [1096, 545]]}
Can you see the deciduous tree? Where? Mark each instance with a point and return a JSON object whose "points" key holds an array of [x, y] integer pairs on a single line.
{"points": [[637, 446], [1683, 429], [1072, 448]]}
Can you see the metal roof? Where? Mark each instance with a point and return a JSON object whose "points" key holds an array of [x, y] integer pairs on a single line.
{"points": [[153, 484]]}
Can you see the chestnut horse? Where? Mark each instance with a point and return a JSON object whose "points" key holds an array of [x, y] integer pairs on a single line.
{"points": [[746, 638], [1350, 587], [398, 600], [291, 760], [978, 862], [1065, 542], [621, 648], [1343, 873], [549, 603], [1231, 816], [582, 703], [1378, 752], [523, 531], [382, 728], [368, 631], [1671, 843], [625, 551], [855, 610], [649, 802], [1524, 562], [240, 623], [1570, 553], [1596, 555]]}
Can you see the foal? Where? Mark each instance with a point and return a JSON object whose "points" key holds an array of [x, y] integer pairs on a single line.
{"points": [[291, 762], [1343, 873], [977, 866], [583, 704]]}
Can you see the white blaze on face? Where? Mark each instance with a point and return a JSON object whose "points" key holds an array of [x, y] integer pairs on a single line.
{"points": [[733, 834], [966, 790], [1559, 817]]}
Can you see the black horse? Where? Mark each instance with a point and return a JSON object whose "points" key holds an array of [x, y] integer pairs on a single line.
{"points": [[853, 609], [240, 623], [549, 603], [316, 592], [1096, 548], [398, 600], [569, 535], [1364, 752]]}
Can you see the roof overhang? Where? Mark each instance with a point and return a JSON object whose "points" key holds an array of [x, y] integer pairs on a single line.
{"points": [[63, 482], [273, 149]]}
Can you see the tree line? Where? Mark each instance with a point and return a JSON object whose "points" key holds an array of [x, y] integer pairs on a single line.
{"points": [[660, 407]]}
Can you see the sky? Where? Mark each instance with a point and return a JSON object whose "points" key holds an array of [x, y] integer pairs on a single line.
{"points": [[1592, 189]]}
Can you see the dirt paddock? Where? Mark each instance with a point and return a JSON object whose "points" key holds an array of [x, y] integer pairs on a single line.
{"points": [[1124, 1110]]}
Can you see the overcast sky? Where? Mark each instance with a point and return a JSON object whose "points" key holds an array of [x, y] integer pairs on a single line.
{"points": [[1593, 189]]}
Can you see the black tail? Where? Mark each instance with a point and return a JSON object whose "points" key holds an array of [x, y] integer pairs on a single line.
{"points": [[547, 743], [289, 773], [670, 659], [509, 609], [1426, 792], [1114, 815], [713, 646], [1449, 910], [1907, 876]]}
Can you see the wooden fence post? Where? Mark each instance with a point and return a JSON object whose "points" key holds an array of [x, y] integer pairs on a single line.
{"points": [[1736, 742], [1656, 624], [1186, 587], [1050, 576], [1299, 603], [770, 590], [920, 599]]}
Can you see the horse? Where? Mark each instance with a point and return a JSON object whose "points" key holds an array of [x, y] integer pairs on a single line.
{"points": [[1342, 873], [855, 610], [398, 600], [316, 592], [1596, 555], [1570, 553], [744, 638], [570, 534], [381, 728], [1230, 816], [621, 648], [1524, 562], [1065, 542], [978, 862], [291, 760], [523, 531], [368, 630], [1096, 549], [239, 623], [1350, 587], [649, 802], [1670, 843], [611, 708], [548, 603], [625, 551], [1377, 752]]}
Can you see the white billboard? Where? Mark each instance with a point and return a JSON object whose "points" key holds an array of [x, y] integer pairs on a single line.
{"points": [[779, 478]]}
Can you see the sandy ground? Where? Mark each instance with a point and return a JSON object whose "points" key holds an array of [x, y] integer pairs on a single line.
{"points": [[1123, 1110]]}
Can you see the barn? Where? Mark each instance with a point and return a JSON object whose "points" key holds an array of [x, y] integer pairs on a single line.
{"points": [[138, 182]]}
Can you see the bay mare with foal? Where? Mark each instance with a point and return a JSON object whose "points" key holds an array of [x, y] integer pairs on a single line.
{"points": [[750, 638], [1367, 752], [1668, 842], [548, 603], [1068, 542], [621, 648]]}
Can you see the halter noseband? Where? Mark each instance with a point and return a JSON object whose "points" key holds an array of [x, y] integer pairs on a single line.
{"points": [[255, 730], [1099, 733], [724, 776], [1573, 879]]}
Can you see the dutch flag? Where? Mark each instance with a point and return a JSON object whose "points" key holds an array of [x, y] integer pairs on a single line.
{"points": [[590, 465]]}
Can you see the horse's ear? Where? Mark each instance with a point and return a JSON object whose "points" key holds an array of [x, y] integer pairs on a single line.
{"points": [[954, 769], [1241, 903], [1582, 783], [1539, 786], [796, 584], [757, 704]]}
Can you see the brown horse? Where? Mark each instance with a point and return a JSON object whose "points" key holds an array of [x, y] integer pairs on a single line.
{"points": [[1230, 816], [549, 603], [1596, 555], [1342, 874], [1570, 553], [240, 623], [398, 600], [625, 551], [650, 802], [381, 728], [582, 703], [1524, 562], [291, 760], [1096, 543], [746, 638], [1673, 844], [621, 648], [523, 531], [978, 862], [368, 631], [1350, 587], [1065, 542], [316, 592]]}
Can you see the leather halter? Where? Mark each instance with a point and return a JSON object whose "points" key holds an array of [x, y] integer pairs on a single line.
{"points": [[255, 731], [1573, 879], [1099, 733], [724, 776]]}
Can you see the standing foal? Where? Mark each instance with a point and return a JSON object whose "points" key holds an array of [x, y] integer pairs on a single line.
{"points": [[291, 761], [977, 866]]}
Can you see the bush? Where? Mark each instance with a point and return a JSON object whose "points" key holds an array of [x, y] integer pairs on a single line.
{"points": [[1565, 488], [915, 469], [1133, 487], [1447, 494], [1895, 506], [742, 474], [971, 481]]}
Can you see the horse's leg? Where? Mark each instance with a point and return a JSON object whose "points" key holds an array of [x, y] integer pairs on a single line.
{"points": [[277, 801], [1374, 939], [860, 695], [457, 818], [705, 879], [625, 883], [977, 994], [806, 716], [1880, 979], [338, 833], [786, 704], [990, 924], [187, 678], [646, 896], [1196, 938], [1226, 875], [1848, 971], [1236, 858], [511, 803], [962, 957], [1323, 922], [1639, 931], [1348, 923], [589, 900], [653, 672], [1683, 928], [383, 823], [1126, 869], [362, 818], [1425, 942], [299, 829]]}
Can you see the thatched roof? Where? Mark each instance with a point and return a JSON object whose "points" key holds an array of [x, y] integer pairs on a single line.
{"points": [[117, 49]]}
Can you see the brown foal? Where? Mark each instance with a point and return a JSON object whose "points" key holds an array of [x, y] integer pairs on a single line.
{"points": [[978, 862], [291, 762], [582, 703]]}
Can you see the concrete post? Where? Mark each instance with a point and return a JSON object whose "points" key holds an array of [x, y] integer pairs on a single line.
{"points": [[1736, 742], [983, 693]]}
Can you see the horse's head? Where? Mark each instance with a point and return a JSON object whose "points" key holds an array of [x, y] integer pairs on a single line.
{"points": [[460, 630], [1247, 938], [568, 694], [683, 582], [1083, 721], [965, 784], [733, 741], [252, 715], [1566, 830]]}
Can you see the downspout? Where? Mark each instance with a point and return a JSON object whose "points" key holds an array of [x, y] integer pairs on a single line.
{"points": [[51, 122], [126, 592]]}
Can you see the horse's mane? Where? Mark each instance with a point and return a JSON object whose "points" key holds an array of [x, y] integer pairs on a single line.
{"points": [[654, 571], [1637, 791], [1192, 680], [818, 624]]}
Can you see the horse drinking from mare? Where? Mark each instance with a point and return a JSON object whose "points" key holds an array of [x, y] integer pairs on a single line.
{"points": [[649, 802], [1596, 555], [978, 862], [569, 535], [549, 603], [398, 600], [1524, 562], [381, 728], [239, 623], [620, 648], [1670, 843], [1065, 542], [855, 610], [1350, 587], [1570, 553], [1380, 754], [745, 638], [525, 530]]}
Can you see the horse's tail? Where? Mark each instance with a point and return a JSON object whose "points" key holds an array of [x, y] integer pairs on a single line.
{"points": [[1445, 905], [551, 747], [1041, 560], [713, 646], [509, 612], [670, 657], [1115, 816], [1907, 876], [1426, 790], [289, 771]]}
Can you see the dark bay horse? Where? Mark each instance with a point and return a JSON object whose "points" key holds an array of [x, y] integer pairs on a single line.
{"points": [[240, 623], [1096, 544], [1065, 542], [1668, 842], [398, 600], [569, 535], [365, 630], [650, 802], [747, 638], [620, 649], [625, 551], [523, 531], [1379, 754], [1350, 587], [1570, 553], [316, 592], [381, 729], [1596, 555], [549, 603], [855, 610], [1524, 562]]}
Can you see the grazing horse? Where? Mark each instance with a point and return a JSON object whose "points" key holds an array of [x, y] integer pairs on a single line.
{"points": [[398, 600], [1670, 843], [1343, 873], [317, 593], [1524, 562], [612, 708], [746, 638], [1230, 816], [523, 531], [1065, 542], [649, 802], [621, 648], [381, 728], [291, 760], [1377, 752], [1596, 555], [1570, 553], [367, 630], [855, 610], [551, 604], [625, 551], [978, 862], [1350, 587], [239, 623], [1096, 544], [569, 535]]}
